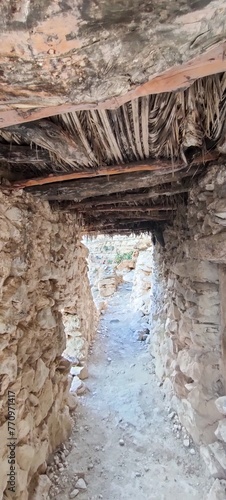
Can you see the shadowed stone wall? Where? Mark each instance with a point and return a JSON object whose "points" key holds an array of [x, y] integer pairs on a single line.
{"points": [[188, 316], [39, 276]]}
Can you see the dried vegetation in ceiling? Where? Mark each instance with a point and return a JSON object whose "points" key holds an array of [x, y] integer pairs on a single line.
{"points": [[124, 169]]}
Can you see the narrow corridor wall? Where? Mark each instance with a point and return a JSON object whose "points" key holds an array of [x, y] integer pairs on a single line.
{"points": [[40, 256], [187, 341]]}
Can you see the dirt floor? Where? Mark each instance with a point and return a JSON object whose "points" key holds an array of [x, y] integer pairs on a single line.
{"points": [[124, 443]]}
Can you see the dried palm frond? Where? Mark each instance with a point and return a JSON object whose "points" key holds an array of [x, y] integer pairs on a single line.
{"points": [[157, 126]]}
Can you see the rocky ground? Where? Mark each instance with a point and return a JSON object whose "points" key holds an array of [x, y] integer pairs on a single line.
{"points": [[126, 443]]}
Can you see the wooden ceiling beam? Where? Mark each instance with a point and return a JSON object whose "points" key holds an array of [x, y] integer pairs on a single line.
{"points": [[78, 190], [117, 225], [141, 166], [131, 217], [128, 198], [108, 210]]}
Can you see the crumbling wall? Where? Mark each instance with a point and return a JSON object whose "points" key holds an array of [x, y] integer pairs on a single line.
{"points": [[40, 256], [187, 317]]}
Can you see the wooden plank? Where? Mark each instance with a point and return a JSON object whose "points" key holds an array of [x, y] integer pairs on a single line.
{"points": [[120, 225], [125, 209], [128, 198], [77, 190], [145, 166], [136, 218]]}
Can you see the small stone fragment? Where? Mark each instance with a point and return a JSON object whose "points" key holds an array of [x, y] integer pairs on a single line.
{"points": [[72, 401], [121, 442], [81, 485], [186, 442], [74, 493], [76, 384]]}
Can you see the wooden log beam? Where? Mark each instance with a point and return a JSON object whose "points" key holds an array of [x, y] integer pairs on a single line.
{"points": [[23, 154], [135, 218], [81, 189], [127, 198], [130, 218], [152, 165], [123, 225], [113, 231], [53, 138], [109, 210], [141, 166]]}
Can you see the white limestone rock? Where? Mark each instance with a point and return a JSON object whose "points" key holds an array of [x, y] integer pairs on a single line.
{"points": [[219, 451], [79, 371], [221, 430], [218, 490], [221, 404], [212, 464], [81, 485]]}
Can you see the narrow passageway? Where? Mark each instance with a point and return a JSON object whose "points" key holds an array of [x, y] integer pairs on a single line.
{"points": [[123, 444]]}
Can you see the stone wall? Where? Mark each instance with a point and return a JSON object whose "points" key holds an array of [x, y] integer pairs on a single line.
{"points": [[141, 290], [81, 317], [188, 317], [42, 271]]}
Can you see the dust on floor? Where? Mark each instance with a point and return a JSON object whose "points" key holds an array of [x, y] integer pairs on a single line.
{"points": [[123, 444]]}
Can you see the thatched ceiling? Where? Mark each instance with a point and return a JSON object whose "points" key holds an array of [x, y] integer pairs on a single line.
{"points": [[124, 169]]}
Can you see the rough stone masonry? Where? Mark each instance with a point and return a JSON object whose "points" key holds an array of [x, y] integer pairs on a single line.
{"points": [[188, 315], [43, 270]]}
